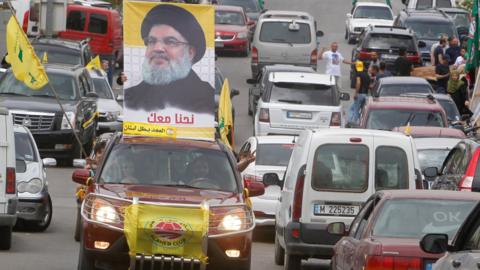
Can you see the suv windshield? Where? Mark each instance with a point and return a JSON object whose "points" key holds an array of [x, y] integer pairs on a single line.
{"points": [[390, 41], [102, 88], [280, 32], [169, 166], [273, 154], [342, 167], [460, 19], [303, 93], [388, 119], [380, 13], [431, 30], [413, 218], [64, 86], [229, 17], [397, 90], [248, 5], [58, 55]]}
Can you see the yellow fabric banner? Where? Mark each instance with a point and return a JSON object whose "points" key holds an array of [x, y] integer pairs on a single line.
{"points": [[25, 64], [225, 119], [175, 231]]}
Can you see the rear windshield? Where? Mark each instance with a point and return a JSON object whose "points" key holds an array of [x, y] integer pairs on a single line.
{"points": [[413, 218], [58, 55], [450, 109], [388, 119], [306, 94], [444, 4], [229, 17], [397, 90], [273, 154], [279, 32], [391, 168], [24, 149], [380, 13], [102, 88], [390, 41], [432, 158], [460, 19], [431, 31], [340, 167], [167, 166], [248, 5]]}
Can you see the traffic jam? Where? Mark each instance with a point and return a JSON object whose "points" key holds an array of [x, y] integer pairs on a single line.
{"points": [[240, 134]]}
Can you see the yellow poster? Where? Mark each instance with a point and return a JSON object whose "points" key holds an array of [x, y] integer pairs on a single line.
{"points": [[169, 60]]}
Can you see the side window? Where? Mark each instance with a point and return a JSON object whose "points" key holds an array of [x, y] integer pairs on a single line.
{"points": [[453, 161], [98, 24], [463, 162], [245, 148], [391, 168], [83, 91], [360, 222], [76, 20]]}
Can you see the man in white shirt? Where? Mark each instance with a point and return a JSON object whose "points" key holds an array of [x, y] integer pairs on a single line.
{"points": [[334, 58]]}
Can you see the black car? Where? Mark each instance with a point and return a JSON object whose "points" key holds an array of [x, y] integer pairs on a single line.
{"points": [[396, 86], [428, 26], [461, 19], [63, 51], [40, 112]]}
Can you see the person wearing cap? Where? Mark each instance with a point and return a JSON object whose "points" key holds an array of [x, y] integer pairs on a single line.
{"points": [[362, 84], [174, 41]]}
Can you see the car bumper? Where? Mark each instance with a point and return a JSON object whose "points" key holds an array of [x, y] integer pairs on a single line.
{"points": [[58, 144], [32, 209], [264, 221], [236, 45], [10, 217], [104, 127], [257, 67]]}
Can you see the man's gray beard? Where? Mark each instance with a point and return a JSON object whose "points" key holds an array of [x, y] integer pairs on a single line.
{"points": [[176, 70]]}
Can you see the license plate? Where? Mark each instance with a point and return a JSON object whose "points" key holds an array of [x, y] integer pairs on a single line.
{"points": [[299, 115], [335, 210], [219, 44], [389, 57]]}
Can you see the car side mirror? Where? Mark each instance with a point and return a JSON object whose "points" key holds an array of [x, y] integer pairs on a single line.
{"points": [[344, 96], [349, 15], [252, 81], [49, 162], [79, 163], [271, 179], [234, 93], [337, 228], [255, 189], [80, 176], [319, 33], [120, 98], [422, 44], [91, 95], [434, 243], [430, 172], [20, 166]]}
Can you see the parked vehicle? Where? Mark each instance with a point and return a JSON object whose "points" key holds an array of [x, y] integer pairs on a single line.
{"points": [[295, 101], [331, 174], [453, 115], [34, 203], [8, 191], [461, 19], [421, 4], [364, 14], [272, 154], [63, 51], [385, 113], [397, 86], [284, 37], [232, 30], [386, 232], [94, 3]]}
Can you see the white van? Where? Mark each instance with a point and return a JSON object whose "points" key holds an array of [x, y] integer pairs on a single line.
{"points": [[8, 191], [331, 173]]}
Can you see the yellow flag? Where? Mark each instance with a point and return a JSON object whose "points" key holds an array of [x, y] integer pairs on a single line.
{"points": [[25, 64], [45, 58], [94, 63], [166, 230], [225, 118]]}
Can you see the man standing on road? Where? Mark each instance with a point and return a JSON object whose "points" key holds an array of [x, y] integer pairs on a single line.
{"points": [[362, 83], [439, 52], [334, 58], [453, 50], [403, 66]]}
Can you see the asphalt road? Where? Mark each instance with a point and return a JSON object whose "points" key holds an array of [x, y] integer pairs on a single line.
{"points": [[56, 249]]}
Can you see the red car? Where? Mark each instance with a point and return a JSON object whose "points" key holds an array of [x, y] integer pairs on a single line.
{"points": [[232, 30], [386, 232], [173, 173]]}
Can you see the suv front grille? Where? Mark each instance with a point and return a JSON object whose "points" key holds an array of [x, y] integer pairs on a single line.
{"points": [[35, 121]]}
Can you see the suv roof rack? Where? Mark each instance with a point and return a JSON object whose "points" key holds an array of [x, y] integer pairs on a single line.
{"points": [[280, 14], [419, 95]]}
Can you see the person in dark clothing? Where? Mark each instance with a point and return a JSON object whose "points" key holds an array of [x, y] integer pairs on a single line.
{"points": [[439, 52], [362, 86], [403, 67], [442, 72], [453, 50], [382, 71]]}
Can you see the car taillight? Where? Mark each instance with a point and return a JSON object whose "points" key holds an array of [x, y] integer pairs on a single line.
{"points": [[393, 263], [25, 21], [466, 182], [10, 188], [248, 178], [254, 55], [298, 195], [364, 55], [313, 57], [264, 115], [414, 58], [335, 119]]}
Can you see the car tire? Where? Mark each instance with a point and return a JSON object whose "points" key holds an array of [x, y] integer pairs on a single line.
{"points": [[349, 38], [84, 263], [346, 34], [5, 237], [40, 226], [292, 262], [78, 225], [279, 252]]}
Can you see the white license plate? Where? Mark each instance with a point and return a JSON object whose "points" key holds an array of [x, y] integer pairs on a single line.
{"points": [[299, 115], [219, 44], [335, 210], [389, 57]]}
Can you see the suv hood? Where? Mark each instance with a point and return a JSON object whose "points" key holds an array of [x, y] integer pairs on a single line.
{"points": [[35, 104], [367, 22]]}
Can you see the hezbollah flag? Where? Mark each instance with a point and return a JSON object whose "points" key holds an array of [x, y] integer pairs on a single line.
{"points": [[225, 119], [167, 230], [94, 63], [25, 64], [473, 36]]}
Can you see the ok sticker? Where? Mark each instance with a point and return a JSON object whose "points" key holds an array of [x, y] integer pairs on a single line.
{"points": [[446, 217]]}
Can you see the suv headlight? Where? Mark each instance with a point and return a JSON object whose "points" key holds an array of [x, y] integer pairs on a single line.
{"points": [[231, 223], [71, 117], [242, 35], [33, 186], [103, 211]]}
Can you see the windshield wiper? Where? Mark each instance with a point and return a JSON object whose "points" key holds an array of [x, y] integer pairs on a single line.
{"points": [[290, 101], [410, 118]]}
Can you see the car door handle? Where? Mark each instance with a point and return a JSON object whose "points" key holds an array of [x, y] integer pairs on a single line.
{"points": [[456, 263]]}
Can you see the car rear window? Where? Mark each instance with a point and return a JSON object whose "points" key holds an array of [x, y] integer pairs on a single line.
{"points": [[397, 90], [98, 24], [444, 4], [58, 55], [389, 42], [229, 17], [340, 167], [391, 168], [450, 109], [371, 12], [24, 149], [300, 93], [169, 166], [388, 119], [102, 88], [431, 30], [273, 154], [279, 32], [413, 218]]}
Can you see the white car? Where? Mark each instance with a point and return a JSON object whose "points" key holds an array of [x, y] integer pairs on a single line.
{"points": [[34, 203], [295, 101], [364, 14], [272, 155]]}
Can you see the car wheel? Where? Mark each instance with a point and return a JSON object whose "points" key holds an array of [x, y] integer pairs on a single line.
{"points": [[292, 262], [279, 252], [84, 263], [5, 237], [349, 38], [346, 34], [78, 225], [42, 225]]}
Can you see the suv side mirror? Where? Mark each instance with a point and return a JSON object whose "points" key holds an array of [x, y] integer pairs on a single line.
{"points": [[252, 81], [319, 33], [255, 189], [271, 179], [234, 92], [91, 95], [434, 243], [337, 228], [49, 162], [80, 176], [344, 96], [430, 172], [422, 44]]}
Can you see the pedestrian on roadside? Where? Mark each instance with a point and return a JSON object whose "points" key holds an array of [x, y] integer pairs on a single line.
{"points": [[382, 71], [403, 66], [453, 50], [439, 52], [121, 78], [442, 73], [462, 59], [434, 46], [457, 88], [362, 84], [334, 58]]}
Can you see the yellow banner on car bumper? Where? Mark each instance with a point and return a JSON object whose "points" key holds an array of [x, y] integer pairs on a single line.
{"points": [[175, 231]]}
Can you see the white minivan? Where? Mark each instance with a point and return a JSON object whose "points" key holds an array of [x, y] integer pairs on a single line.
{"points": [[331, 173], [8, 191]]}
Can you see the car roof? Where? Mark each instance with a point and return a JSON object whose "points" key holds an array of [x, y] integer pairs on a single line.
{"points": [[430, 194], [67, 43], [283, 67], [455, 10], [427, 15], [301, 77], [275, 139], [403, 102], [403, 80], [229, 8], [212, 145], [433, 132], [286, 15], [390, 30], [435, 143], [332, 132], [372, 4]]}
